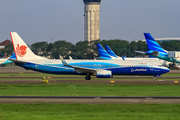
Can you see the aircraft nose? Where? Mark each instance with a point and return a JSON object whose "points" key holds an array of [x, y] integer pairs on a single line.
{"points": [[166, 70]]}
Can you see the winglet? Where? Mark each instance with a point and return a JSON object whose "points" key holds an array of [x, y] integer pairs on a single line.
{"points": [[63, 61], [70, 58], [123, 58], [140, 52]]}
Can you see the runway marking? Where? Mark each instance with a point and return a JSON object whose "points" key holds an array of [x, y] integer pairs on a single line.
{"points": [[90, 99]]}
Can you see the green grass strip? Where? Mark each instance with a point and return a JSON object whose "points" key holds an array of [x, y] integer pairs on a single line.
{"points": [[89, 90], [89, 111]]}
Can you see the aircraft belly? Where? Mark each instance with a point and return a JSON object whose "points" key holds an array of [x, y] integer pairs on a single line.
{"points": [[115, 71], [137, 71]]}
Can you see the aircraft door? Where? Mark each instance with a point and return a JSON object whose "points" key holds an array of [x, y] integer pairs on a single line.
{"points": [[36, 66], [151, 67], [95, 66], [99, 66]]}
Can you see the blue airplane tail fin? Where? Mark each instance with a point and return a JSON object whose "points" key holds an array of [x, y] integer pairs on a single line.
{"points": [[123, 58], [103, 53], [152, 44], [110, 52], [13, 56]]}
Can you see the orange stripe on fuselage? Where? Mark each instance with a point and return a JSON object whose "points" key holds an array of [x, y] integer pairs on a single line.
{"points": [[13, 45]]}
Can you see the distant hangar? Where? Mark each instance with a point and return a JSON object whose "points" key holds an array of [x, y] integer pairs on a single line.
{"points": [[165, 39]]}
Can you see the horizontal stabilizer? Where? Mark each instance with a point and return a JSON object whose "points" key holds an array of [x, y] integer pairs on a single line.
{"points": [[17, 61], [140, 52]]}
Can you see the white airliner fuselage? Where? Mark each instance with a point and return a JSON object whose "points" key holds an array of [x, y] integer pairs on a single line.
{"points": [[100, 68]]}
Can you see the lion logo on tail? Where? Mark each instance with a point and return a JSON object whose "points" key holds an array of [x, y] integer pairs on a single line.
{"points": [[21, 51]]}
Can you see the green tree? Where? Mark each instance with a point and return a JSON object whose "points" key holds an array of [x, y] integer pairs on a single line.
{"points": [[40, 48], [118, 46], [170, 45], [62, 48], [9, 49], [81, 50]]}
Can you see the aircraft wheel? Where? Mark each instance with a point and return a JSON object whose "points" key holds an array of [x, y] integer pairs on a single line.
{"points": [[87, 78]]}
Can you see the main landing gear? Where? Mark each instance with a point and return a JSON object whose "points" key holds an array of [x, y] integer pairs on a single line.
{"points": [[88, 77]]}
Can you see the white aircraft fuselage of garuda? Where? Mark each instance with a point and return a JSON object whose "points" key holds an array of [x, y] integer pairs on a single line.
{"points": [[99, 68]]}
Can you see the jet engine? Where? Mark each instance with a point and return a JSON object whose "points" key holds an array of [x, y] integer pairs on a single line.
{"points": [[104, 74]]}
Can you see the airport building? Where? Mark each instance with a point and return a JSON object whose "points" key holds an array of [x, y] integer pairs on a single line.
{"points": [[4, 43], [165, 39], [91, 19]]}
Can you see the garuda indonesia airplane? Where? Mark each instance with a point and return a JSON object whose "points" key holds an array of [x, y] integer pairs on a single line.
{"points": [[155, 50], [99, 68], [6, 61], [108, 54]]}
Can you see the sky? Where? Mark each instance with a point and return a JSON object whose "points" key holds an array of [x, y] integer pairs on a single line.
{"points": [[52, 20]]}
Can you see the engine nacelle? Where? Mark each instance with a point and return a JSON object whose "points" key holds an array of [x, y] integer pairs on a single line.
{"points": [[104, 74]]}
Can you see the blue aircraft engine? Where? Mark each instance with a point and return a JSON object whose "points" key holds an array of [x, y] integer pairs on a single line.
{"points": [[104, 74]]}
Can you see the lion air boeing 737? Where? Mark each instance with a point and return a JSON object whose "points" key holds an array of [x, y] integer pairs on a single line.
{"points": [[99, 68]]}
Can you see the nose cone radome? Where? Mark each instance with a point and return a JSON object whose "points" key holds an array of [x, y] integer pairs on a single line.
{"points": [[166, 70]]}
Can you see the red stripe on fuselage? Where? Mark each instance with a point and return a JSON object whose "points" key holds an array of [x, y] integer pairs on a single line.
{"points": [[13, 45]]}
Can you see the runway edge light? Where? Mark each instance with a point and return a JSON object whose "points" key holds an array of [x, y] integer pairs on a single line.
{"points": [[112, 81], [45, 81], [176, 81]]}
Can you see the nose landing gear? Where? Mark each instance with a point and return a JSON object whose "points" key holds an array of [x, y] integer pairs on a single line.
{"points": [[155, 76]]}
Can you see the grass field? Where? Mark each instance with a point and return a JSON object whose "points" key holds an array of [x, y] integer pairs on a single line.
{"points": [[90, 90], [89, 112], [83, 89], [46, 111]]}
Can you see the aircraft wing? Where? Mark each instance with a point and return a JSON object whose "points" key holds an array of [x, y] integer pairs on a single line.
{"points": [[79, 69], [84, 70], [17, 61]]}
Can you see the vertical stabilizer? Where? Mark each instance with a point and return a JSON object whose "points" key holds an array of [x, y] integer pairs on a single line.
{"points": [[110, 52], [13, 56], [21, 50], [152, 44], [103, 53]]}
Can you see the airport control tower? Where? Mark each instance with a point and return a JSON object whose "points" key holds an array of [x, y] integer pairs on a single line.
{"points": [[91, 19]]}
